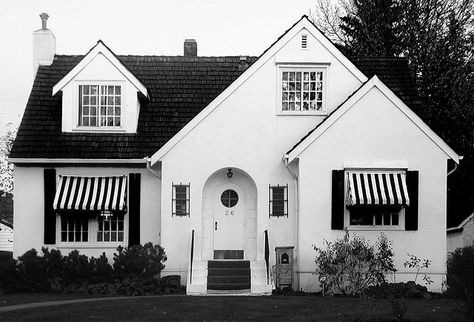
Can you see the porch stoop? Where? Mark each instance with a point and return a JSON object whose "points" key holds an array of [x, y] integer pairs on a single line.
{"points": [[228, 277]]}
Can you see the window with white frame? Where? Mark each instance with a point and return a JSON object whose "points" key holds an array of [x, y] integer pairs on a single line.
{"points": [[278, 201], [74, 228], [100, 106], [375, 216], [180, 202], [302, 90], [92, 227], [110, 228]]}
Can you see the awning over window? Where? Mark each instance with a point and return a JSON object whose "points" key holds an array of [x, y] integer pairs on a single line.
{"points": [[382, 189], [91, 193]]}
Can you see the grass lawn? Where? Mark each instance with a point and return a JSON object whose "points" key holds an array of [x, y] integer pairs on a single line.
{"points": [[21, 298], [241, 308]]}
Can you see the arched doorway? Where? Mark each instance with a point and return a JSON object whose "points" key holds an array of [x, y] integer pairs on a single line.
{"points": [[229, 216]]}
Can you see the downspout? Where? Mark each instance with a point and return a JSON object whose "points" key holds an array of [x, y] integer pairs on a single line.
{"points": [[148, 167], [295, 177], [456, 165]]}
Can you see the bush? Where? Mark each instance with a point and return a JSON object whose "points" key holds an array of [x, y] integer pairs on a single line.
{"points": [[146, 261], [408, 290], [348, 266], [134, 272], [460, 277], [8, 273]]}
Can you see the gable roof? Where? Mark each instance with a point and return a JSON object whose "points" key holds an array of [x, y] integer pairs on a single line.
{"points": [[303, 23], [101, 48], [179, 87], [460, 227], [314, 134]]}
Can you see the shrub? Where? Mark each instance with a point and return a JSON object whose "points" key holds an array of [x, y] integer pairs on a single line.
{"points": [[460, 277], [77, 268], [102, 270], [419, 264], [349, 266], [8, 273], [31, 272], [138, 260]]}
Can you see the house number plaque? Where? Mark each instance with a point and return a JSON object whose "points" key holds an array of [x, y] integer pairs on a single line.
{"points": [[229, 212]]}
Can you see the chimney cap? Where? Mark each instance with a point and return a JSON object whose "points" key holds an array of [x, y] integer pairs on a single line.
{"points": [[44, 18]]}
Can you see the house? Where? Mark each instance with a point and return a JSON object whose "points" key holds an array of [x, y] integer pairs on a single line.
{"points": [[461, 235], [6, 236], [223, 159]]}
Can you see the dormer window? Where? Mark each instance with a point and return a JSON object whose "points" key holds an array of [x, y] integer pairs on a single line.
{"points": [[302, 90], [100, 106]]}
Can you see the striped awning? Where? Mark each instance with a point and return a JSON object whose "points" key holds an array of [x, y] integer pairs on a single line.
{"points": [[91, 193], [377, 188]]}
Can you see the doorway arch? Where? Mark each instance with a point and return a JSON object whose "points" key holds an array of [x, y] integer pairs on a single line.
{"points": [[229, 213]]}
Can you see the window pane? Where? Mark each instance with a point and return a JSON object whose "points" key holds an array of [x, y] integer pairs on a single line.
{"points": [[113, 236], [85, 90], [99, 236], [93, 90], [118, 90], [117, 100], [395, 219], [386, 219], [120, 236], [110, 90]]}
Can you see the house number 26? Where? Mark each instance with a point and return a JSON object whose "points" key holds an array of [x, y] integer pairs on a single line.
{"points": [[229, 212]]}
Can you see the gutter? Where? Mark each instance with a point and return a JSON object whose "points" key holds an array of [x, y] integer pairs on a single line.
{"points": [[456, 165], [67, 161], [148, 167]]}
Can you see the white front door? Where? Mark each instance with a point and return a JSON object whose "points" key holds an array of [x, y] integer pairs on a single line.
{"points": [[229, 212]]}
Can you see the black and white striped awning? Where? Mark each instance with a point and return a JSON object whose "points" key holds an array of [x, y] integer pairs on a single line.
{"points": [[91, 193], [377, 188]]}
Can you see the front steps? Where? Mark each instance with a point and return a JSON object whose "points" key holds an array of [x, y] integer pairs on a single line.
{"points": [[228, 277]]}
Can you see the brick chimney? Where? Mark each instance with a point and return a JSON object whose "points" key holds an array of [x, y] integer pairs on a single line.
{"points": [[190, 48], [44, 45]]}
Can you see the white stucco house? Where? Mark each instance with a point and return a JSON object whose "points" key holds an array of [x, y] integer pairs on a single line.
{"points": [[461, 235], [222, 159], [6, 236]]}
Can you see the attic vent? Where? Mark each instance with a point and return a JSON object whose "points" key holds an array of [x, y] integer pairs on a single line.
{"points": [[304, 41]]}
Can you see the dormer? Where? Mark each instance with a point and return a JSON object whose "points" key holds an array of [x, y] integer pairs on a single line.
{"points": [[100, 94]]}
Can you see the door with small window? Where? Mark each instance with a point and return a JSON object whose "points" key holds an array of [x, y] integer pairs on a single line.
{"points": [[229, 208]]}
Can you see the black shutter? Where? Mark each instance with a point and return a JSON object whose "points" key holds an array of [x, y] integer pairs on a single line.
{"points": [[134, 209], [49, 180], [411, 212], [337, 209]]}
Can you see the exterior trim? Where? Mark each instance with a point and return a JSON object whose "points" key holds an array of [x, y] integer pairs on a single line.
{"points": [[100, 47], [303, 23], [460, 227], [296, 151], [69, 161]]}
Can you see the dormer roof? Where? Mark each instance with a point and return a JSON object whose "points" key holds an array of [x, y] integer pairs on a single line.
{"points": [[101, 48]]}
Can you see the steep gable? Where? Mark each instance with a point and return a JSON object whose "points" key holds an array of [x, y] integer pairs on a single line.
{"points": [[352, 101]]}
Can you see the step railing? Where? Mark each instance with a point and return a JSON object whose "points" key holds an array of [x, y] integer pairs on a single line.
{"points": [[267, 256], [191, 258]]}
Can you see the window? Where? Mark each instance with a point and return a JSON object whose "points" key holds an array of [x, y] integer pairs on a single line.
{"points": [[302, 90], [74, 228], [278, 201], [110, 228], [100, 105], [375, 216], [180, 202], [229, 198]]}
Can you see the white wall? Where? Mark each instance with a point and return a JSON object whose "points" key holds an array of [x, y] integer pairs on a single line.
{"points": [[374, 130], [100, 71], [244, 132], [6, 238], [29, 209]]}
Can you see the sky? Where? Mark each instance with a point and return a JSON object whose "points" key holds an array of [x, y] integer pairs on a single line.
{"points": [[134, 27]]}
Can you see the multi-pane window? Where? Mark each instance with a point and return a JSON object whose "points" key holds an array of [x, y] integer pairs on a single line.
{"points": [[100, 105], [302, 90], [278, 196], [110, 228], [180, 202], [74, 228], [375, 216]]}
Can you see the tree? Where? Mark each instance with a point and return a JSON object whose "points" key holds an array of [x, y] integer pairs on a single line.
{"points": [[6, 168], [437, 38]]}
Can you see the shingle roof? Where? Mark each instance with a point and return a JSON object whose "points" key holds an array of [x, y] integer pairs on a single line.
{"points": [[180, 87]]}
